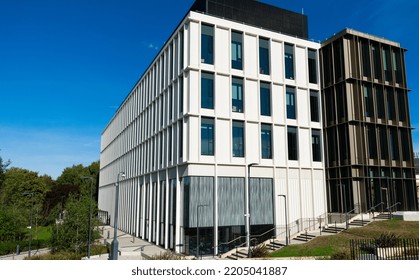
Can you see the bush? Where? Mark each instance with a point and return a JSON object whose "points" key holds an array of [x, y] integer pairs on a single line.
{"points": [[260, 251], [340, 256], [167, 256], [386, 240]]}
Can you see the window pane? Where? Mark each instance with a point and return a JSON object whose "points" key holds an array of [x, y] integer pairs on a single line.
{"points": [[377, 61], [387, 65], [316, 145], [237, 95], [368, 102], [238, 139], [289, 61], [312, 66], [236, 50], [266, 141], [314, 106], [291, 114], [207, 44], [381, 109], [366, 65], [372, 142], [263, 56], [265, 99], [207, 91], [292, 143], [207, 136]]}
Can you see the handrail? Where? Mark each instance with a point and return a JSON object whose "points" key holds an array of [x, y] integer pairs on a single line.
{"points": [[373, 208], [390, 207]]}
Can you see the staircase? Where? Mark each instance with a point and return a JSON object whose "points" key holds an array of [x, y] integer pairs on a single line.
{"points": [[383, 216], [359, 223], [305, 237], [333, 229]]}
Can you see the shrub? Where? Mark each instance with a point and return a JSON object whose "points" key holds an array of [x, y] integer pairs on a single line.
{"points": [[340, 256], [386, 240], [167, 256], [260, 251]]}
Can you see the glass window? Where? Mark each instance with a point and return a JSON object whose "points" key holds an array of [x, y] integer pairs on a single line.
{"points": [[180, 130], [387, 64], [312, 66], [314, 106], [397, 66], [237, 95], [207, 136], [383, 143], [266, 140], [236, 50], [181, 94], [238, 139], [402, 105], [207, 44], [207, 90], [289, 61], [292, 143], [265, 99], [263, 56], [372, 142], [368, 102], [291, 112], [377, 61], [381, 109], [391, 108], [394, 144], [316, 145], [170, 143], [366, 64]]}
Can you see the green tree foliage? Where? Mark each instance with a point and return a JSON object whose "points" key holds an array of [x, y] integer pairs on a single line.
{"points": [[73, 232], [55, 201], [72, 176], [3, 168]]}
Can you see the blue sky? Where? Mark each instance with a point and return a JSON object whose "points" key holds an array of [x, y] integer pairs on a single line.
{"points": [[66, 65]]}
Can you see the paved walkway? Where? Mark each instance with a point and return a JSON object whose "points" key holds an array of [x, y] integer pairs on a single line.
{"points": [[130, 247]]}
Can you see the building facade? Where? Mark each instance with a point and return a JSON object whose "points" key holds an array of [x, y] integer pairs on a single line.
{"points": [[368, 140], [222, 130]]}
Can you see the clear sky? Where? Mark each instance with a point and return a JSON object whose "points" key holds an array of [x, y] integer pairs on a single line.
{"points": [[66, 65]]}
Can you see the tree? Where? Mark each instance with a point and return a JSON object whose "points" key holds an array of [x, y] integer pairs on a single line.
{"points": [[3, 168], [72, 234], [72, 176]]}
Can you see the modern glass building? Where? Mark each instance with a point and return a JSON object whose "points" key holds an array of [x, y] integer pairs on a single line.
{"points": [[226, 127], [226, 118]]}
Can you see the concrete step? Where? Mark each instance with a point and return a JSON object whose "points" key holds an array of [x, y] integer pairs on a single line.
{"points": [[304, 237], [359, 223], [274, 245], [333, 229]]}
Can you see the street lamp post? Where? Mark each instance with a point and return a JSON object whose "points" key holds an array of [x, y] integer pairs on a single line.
{"points": [[114, 243], [286, 218], [90, 214], [247, 207], [197, 228], [30, 221]]}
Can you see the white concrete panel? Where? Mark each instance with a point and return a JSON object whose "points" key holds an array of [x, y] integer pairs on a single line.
{"points": [[194, 91], [277, 62], [301, 66], [319, 192], [281, 153], [252, 142], [276, 103], [303, 105], [223, 140], [294, 194], [194, 130], [250, 55], [304, 147], [222, 45], [194, 48], [222, 96], [251, 100], [306, 194]]}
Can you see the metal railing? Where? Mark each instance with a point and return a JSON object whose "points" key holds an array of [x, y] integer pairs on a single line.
{"points": [[395, 249], [391, 207]]}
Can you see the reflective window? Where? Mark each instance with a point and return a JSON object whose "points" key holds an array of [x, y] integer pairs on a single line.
{"points": [[291, 112], [238, 139], [207, 90], [207, 136], [314, 106], [263, 56], [236, 50], [316, 145], [266, 140], [237, 95], [292, 143], [265, 99], [207, 44], [368, 102], [312, 66], [289, 62]]}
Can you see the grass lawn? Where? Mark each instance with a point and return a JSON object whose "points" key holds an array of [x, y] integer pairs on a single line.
{"points": [[340, 243], [42, 233]]}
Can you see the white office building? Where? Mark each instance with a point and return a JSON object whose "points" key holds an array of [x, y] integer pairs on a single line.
{"points": [[222, 129]]}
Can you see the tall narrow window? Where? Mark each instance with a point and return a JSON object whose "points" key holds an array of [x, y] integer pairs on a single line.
{"points": [[181, 94], [372, 142], [207, 90], [394, 144], [207, 44], [316, 145], [368, 102], [366, 64], [387, 64], [237, 95], [397, 66], [236, 50], [266, 140], [207, 136], [383, 143], [292, 143], [265, 99], [377, 61], [402, 105], [263, 56], [291, 112], [289, 61], [312, 66], [391, 108], [180, 131], [314, 106], [170, 144], [404, 134], [381, 108], [238, 139]]}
